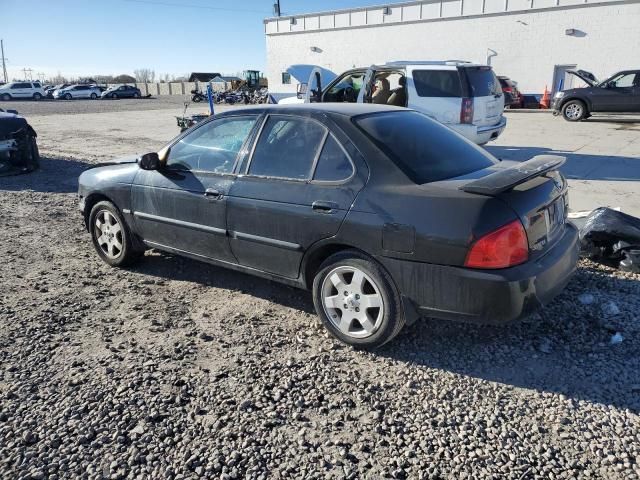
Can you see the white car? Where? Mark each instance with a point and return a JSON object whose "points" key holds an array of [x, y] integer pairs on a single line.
{"points": [[21, 90], [464, 96], [77, 91]]}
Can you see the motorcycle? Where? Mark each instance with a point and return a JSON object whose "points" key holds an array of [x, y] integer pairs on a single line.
{"points": [[197, 96]]}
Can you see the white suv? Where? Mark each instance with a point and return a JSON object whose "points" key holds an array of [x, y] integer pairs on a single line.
{"points": [[18, 90], [463, 96]]}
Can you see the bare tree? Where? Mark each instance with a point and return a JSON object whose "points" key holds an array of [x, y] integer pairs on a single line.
{"points": [[144, 75]]}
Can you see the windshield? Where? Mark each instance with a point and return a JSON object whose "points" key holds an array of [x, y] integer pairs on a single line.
{"points": [[423, 149]]}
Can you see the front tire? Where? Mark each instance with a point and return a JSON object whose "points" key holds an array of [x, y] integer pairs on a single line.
{"points": [[574, 111], [357, 300], [136, 95], [37, 96], [5, 97], [93, 96], [67, 96], [111, 237]]}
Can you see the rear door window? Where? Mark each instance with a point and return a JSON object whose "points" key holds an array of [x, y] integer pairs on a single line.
{"points": [[425, 150], [333, 163], [437, 83], [287, 148], [482, 81]]}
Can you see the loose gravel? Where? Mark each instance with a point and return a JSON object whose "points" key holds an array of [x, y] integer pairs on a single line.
{"points": [[177, 369]]}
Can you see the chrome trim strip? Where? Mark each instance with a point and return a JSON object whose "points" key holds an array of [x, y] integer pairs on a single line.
{"points": [[181, 223], [488, 128], [265, 240]]}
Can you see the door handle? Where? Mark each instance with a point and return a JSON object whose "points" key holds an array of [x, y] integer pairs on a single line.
{"points": [[213, 194], [324, 207]]}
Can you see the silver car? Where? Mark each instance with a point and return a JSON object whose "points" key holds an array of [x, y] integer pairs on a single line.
{"points": [[77, 91]]}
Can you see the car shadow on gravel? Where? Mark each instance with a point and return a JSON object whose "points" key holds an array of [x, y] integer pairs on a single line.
{"points": [[578, 166], [55, 175], [565, 349], [166, 266]]}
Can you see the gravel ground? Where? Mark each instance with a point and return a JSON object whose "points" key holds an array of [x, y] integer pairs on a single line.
{"points": [[177, 369]]}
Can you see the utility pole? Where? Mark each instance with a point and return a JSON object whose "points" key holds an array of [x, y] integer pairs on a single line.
{"points": [[4, 65], [276, 8]]}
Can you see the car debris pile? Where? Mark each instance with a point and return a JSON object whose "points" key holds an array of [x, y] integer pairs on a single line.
{"points": [[18, 148], [613, 238]]}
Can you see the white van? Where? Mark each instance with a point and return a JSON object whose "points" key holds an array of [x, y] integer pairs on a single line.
{"points": [[464, 96]]}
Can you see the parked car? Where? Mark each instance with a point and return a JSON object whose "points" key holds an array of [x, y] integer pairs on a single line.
{"points": [[619, 93], [512, 96], [461, 95], [21, 90], [121, 91], [384, 214], [77, 91], [49, 91], [18, 146]]}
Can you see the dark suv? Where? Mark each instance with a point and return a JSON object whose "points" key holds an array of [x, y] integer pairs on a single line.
{"points": [[620, 93]]}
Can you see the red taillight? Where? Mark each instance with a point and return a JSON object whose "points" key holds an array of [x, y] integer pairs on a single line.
{"points": [[466, 110], [507, 89], [502, 248]]}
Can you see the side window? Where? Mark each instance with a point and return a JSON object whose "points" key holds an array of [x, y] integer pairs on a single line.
{"points": [[437, 83], [36, 85], [624, 80], [333, 164], [122, 88], [213, 147], [287, 148], [286, 78]]}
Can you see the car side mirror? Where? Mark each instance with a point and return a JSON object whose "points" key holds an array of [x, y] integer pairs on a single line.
{"points": [[149, 161], [302, 90], [611, 84]]}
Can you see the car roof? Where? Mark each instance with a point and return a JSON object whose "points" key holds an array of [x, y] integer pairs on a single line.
{"points": [[346, 109]]}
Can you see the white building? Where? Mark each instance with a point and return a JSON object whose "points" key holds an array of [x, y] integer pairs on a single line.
{"points": [[531, 41]]}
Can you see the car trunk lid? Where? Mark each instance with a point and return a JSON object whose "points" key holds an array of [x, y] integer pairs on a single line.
{"points": [[535, 190]]}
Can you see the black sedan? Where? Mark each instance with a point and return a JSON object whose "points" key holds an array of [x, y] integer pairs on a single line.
{"points": [[384, 214], [121, 91]]}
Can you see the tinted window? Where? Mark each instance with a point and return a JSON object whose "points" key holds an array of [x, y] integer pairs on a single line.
{"points": [[286, 78], [213, 147], [437, 83], [37, 85], [333, 164], [21, 85], [287, 148], [482, 81], [425, 150]]}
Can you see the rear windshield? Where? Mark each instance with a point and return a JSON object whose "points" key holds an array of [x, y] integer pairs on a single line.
{"points": [[423, 149], [482, 81]]}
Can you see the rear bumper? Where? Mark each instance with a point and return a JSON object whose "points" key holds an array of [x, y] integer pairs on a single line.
{"points": [[487, 296], [481, 134]]}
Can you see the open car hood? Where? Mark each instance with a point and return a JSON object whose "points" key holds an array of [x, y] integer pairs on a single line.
{"points": [[585, 76], [302, 73]]}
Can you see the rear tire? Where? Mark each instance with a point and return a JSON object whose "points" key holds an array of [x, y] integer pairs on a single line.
{"points": [[136, 95], [37, 96], [93, 96], [111, 236], [574, 111], [357, 300], [67, 96], [5, 97]]}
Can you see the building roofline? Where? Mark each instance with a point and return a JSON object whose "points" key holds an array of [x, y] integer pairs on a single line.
{"points": [[345, 10]]}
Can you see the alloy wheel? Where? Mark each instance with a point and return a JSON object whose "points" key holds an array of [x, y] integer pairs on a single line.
{"points": [[108, 234], [352, 301], [573, 111]]}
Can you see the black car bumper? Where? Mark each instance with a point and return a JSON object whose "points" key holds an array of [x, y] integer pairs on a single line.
{"points": [[487, 296]]}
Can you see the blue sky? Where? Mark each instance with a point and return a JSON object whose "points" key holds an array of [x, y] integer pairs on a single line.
{"points": [[79, 37]]}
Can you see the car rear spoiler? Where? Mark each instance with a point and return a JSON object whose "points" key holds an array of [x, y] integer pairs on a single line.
{"points": [[504, 180]]}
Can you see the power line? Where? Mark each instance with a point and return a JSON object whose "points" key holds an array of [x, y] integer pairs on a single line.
{"points": [[191, 5]]}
